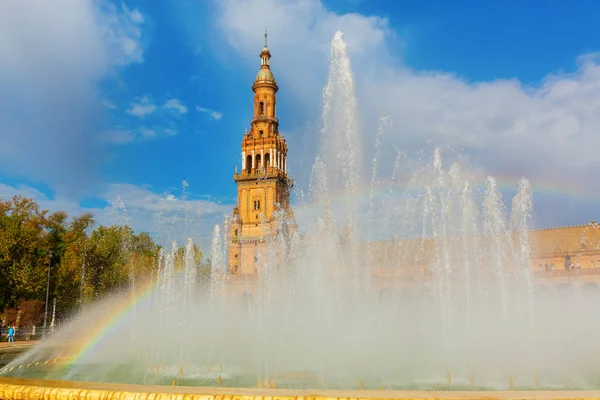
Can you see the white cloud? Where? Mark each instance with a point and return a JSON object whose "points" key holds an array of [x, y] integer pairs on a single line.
{"points": [[147, 133], [52, 57], [546, 132], [166, 216], [122, 136], [118, 136], [174, 104], [212, 113], [108, 104], [142, 108]]}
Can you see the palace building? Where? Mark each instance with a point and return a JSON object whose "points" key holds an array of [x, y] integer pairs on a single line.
{"points": [[562, 257], [263, 184]]}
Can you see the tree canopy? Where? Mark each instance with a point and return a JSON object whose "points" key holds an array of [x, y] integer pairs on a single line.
{"points": [[84, 261]]}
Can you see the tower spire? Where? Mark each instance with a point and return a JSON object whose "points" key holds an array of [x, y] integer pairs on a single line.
{"points": [[265, 35], [265, 54]]}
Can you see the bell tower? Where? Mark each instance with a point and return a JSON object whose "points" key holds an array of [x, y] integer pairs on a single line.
{"points": [[263, 185]]}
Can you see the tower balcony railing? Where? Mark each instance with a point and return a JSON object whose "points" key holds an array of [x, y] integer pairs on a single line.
{"points": [[264, 118], [240, 238], [260, 173]]}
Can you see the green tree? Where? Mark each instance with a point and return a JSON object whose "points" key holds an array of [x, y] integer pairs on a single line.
{"points": [[84, 263], [24, 251], [71, 272]]}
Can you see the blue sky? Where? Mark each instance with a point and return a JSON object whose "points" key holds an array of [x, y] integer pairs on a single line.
{"points": [[101, 99]]}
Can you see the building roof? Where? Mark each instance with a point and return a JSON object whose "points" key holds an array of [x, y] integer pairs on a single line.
{"points": [[560, 241], [567, 239], [265, 74]]}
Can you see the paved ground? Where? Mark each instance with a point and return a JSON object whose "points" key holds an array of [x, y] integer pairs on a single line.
{"points": [[27, 343]]}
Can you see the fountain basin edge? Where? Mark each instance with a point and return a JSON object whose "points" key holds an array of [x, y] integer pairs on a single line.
{"points": [[37, 389]]}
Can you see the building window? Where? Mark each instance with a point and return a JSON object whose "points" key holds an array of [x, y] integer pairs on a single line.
{"points": [[260, 134], [551, 266], [257, 204], [236, 256], [235, 234], [261, 108], [257, 161], [249, 164]]}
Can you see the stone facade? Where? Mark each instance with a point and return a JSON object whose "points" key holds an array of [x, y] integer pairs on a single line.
{"points": [[561, 258]]}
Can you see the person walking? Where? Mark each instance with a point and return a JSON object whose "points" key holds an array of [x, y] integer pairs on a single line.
{"points": [[11, 334]]}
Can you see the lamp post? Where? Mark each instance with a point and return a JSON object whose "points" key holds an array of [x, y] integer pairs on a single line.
{"points": [[47, 292], [568, 266]]}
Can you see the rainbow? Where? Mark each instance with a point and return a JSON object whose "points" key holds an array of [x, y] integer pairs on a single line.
{"points": [[109, 323], [506, 183]]}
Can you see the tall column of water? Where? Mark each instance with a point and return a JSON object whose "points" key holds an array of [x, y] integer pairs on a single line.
{"points": [[184, 207], [159, 296], [447, 187], [469, 246], [398, 226], [405, 288], [438, 208], [373, 189], [261, 322], [120, 218], [189, 287], [497, 240], [340, 144], [520, 224], [323, 278], [280, 248], [168, 301], [402, 227], [455, 279], [156, 307], [189, 271], [217, 293], [433, 260]]}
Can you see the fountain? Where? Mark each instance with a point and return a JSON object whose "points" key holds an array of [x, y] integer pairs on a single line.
{"points": [[425, 285]]}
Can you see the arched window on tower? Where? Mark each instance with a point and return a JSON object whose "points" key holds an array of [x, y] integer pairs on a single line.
{"points": [[261, 108], [267, 160], [249, 163], [257, 164]]}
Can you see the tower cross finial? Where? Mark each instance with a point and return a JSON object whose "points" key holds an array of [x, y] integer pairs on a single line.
{"points": [[265, 34]]}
